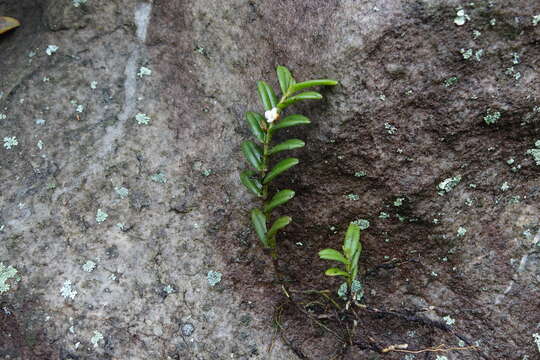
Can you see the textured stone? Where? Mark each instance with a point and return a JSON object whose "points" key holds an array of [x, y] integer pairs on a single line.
{"points": [[395, 117]]}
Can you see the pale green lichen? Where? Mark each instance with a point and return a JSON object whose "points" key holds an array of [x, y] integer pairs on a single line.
{"points": [[67, 291], [476, 34], [101, 216], [448, 320], [78, 3], [121, 191], [352, 197], [448, 184], [461, 17], [466, 53], [536, 20], [93, 85], [514, 199], [142, 119], [536, 338], [213, 277], [440, 357], [3, 116], [515, 58], [492, 117], [360, 174], [51, 49], [96, 338], [363, 224], [144, 71], [159, 178], [461, 231], [6, 273], [357, 289], [10, 142], [535, 153], [451, 81], [383, 215], [168, 289], [478, 54], [505, 186], [40, 145], [398, 202], [89, 266], [513, 73], [342, 290], [493, 22], [390, 129]]}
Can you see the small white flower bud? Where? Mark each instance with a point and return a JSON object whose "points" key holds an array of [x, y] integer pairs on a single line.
{"points": [[271, 115]]}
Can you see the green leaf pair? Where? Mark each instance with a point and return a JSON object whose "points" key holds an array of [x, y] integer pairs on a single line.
{"points": [[268, 237], [289, 87], [349, 258]]}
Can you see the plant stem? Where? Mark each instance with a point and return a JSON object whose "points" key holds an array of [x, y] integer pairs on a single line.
{"points": [[266, 148], [267, 140]]}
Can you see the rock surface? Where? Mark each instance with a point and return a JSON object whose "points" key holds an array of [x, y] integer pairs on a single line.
{"points": [[408, 121]]}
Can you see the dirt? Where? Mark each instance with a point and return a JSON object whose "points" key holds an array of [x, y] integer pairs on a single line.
{"points": [[457, 267]]}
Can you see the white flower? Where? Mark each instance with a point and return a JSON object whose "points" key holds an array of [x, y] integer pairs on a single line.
{"points": [[271, 115]]}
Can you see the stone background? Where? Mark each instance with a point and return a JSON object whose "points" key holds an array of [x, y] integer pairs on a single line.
{"points": [[408, 113]]}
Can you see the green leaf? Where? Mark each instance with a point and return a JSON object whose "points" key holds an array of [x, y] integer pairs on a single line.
{"points": [[253, 184], [310, 83], [285, 78], [253, 154], [287, 145], [352, 240], [280, 198], [280, 167], [254, 121], [336, 272], [308, 95], [331, 254], [259, 223], [280, 223], [291, 120], [266, 93]]}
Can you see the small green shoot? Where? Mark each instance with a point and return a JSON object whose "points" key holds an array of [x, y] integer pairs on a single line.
{"points": [[352, 248]]}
